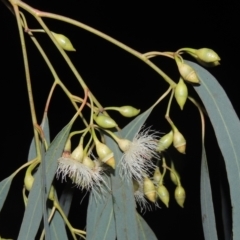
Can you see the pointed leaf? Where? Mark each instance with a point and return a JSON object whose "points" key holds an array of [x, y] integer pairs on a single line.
{"points": [[66, 199], [33, 213], [100, 219], [4, 188], [227, 130], [123, 200], [57, 226], [145, 232], [208, 216], [45, 128]]}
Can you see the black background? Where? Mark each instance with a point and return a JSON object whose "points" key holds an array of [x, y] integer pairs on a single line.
{"points": [[117, 78]]}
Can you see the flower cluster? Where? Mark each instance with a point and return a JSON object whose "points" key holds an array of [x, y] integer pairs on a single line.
{"points": [[82, 175]]}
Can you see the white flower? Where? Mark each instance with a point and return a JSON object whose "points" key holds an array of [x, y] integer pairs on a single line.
{"points": [[83, 176], [137, 158]]}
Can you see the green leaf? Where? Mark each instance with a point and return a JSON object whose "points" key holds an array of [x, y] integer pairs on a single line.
{"points": [[116, 214], [123, 200], [32, 149], [4, 188], [145, 232], [100, 218], [57, 226], [33, 213], [66, 199], [208, 216], [227, 130]]}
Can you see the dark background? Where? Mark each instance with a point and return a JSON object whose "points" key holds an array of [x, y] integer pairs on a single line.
{"points": [[117, 78]]}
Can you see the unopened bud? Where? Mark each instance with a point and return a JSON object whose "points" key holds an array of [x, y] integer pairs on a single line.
{"points": [[77, 153], [128, 111], [149, 189], [174, 175], [207, 55], [88, 162], [179, 141], [180, 195], [105, 121], [64, 42], [163, 194], [187, 72], [181, 93], [105, 154], [157, 175], [28, 180], [165, 141]]}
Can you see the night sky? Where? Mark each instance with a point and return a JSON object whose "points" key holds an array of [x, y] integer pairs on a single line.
{"points": [[117, 78]]}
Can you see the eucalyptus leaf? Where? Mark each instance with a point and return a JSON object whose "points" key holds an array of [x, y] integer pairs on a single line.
{"points": [[57, 226], [46, 131], [33, 213], [100, 219], [145, 232], [44, 194], [4, 189], [208, 216], [227, 130], [66, 199]]}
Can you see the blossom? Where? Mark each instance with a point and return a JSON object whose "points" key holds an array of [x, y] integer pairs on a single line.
{"points": [[137, 158], [82, 175]]}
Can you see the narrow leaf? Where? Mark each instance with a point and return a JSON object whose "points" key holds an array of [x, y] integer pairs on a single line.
{"points": [[4, 188], [145, 232], [100, 219], [123, 200], [227, 130], [44, 194], [66, 199], [208, 216], [57, 226], [33, 213], [45, 128]]}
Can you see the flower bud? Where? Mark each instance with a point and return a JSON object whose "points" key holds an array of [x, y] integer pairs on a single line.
{"points": [[77, 153], [28, 180], [207, 55], [165, 141], [149, 189], [88, 162], [128, 111], [157, 175], [105, 121], [187, 72], [105, 154], [174, 174], [64, 42], [163, 194], [179, 141], [180, 195], [181, 93], [51, 195]]}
